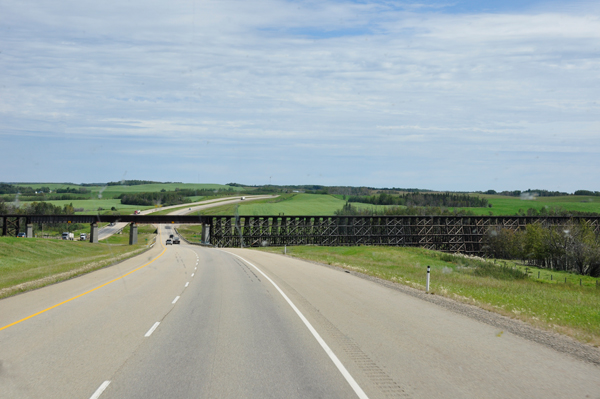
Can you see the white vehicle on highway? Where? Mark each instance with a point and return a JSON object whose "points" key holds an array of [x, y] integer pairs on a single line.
{"points": [[82, 237], [68, 236]]}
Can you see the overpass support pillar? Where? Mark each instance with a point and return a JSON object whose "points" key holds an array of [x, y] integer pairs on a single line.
{"points": [[133, 234], [205, 233], [29, 230], [94, 233]]}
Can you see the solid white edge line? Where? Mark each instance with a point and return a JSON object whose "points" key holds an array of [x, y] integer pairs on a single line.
{"points": [[186, 284], [176, 299], [100, 389], [357, 389], [151, 330]]}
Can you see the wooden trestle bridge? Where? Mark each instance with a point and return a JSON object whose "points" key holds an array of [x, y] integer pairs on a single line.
{"points": [[463, 234]]}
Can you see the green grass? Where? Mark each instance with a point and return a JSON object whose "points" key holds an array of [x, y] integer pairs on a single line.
{"points": [[108, 192], [192, 233], [288, 205], [145, 235], [323, 205], [91, 206], [502, 205], [30, 263], [565, 308], [306, 204]]}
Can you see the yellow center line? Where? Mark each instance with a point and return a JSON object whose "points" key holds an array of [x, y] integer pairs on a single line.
{"points": [[92, 290]]}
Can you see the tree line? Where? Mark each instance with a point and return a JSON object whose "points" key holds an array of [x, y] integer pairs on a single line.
{"points": [[448, 200], [165, 198], [573, 247], [42, 208], [350, 210], [35, 208], [539, 193]]}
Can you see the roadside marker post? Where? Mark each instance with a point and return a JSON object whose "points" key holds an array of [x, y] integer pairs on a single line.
{"points": [[428, 273]]}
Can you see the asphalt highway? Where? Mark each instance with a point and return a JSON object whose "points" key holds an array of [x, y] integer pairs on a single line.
{"points": [[186, 321]]}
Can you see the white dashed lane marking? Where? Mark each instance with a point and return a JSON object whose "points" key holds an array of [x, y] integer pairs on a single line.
{"points": [[100, 389], [151, 330]]}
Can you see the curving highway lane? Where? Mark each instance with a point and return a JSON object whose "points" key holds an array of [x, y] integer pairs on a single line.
{"points": [[186, 321]]}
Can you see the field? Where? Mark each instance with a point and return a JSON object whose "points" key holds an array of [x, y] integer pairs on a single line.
{"points": [[553, 305], [300, 203], [92, 206], [289, 205], [31, 263], [502, 205], [110, 191], [323, 205]]}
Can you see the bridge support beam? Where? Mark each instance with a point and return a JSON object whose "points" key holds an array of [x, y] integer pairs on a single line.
{"points": [[29, 230], [94, 233], [133, 234], [205, 233]]}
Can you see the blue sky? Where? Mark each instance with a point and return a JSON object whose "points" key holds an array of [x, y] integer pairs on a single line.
{"points": [[457, 95]]}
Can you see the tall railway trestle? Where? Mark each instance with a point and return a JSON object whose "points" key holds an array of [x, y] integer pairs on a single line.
{"points": [[443, 233]]}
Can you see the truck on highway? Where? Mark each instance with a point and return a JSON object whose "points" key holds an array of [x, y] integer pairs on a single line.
{"points": [[82, 237], [68, 236]]}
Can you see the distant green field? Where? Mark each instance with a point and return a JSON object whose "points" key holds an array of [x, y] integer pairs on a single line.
{"points": [[299, 204], [316, 204], [92, 205], [502, 205], [112, 191], [303, 204], [290, 205]]}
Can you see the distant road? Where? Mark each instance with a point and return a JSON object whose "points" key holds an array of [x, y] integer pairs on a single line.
{"points": [[108, 230], [186, 321]]}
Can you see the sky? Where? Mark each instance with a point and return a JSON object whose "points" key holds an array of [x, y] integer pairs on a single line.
{"points": [[442, 95]]}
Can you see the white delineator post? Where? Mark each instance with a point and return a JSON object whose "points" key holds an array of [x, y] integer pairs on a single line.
{"points": [[428, 273]]}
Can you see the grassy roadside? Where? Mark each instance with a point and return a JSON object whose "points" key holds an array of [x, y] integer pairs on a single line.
{"points": [[568, 308], [192, 233], [145, 236], [28, 264]]}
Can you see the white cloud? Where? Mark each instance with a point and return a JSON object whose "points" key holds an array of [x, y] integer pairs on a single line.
{"points": [[337, 79]]}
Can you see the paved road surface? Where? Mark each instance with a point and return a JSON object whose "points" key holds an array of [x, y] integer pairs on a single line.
{"points": [[227, 332]]}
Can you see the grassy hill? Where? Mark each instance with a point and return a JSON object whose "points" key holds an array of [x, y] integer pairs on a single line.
{"points": [[289, 205], [36, 262], [298, 204], [503, 205]]}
